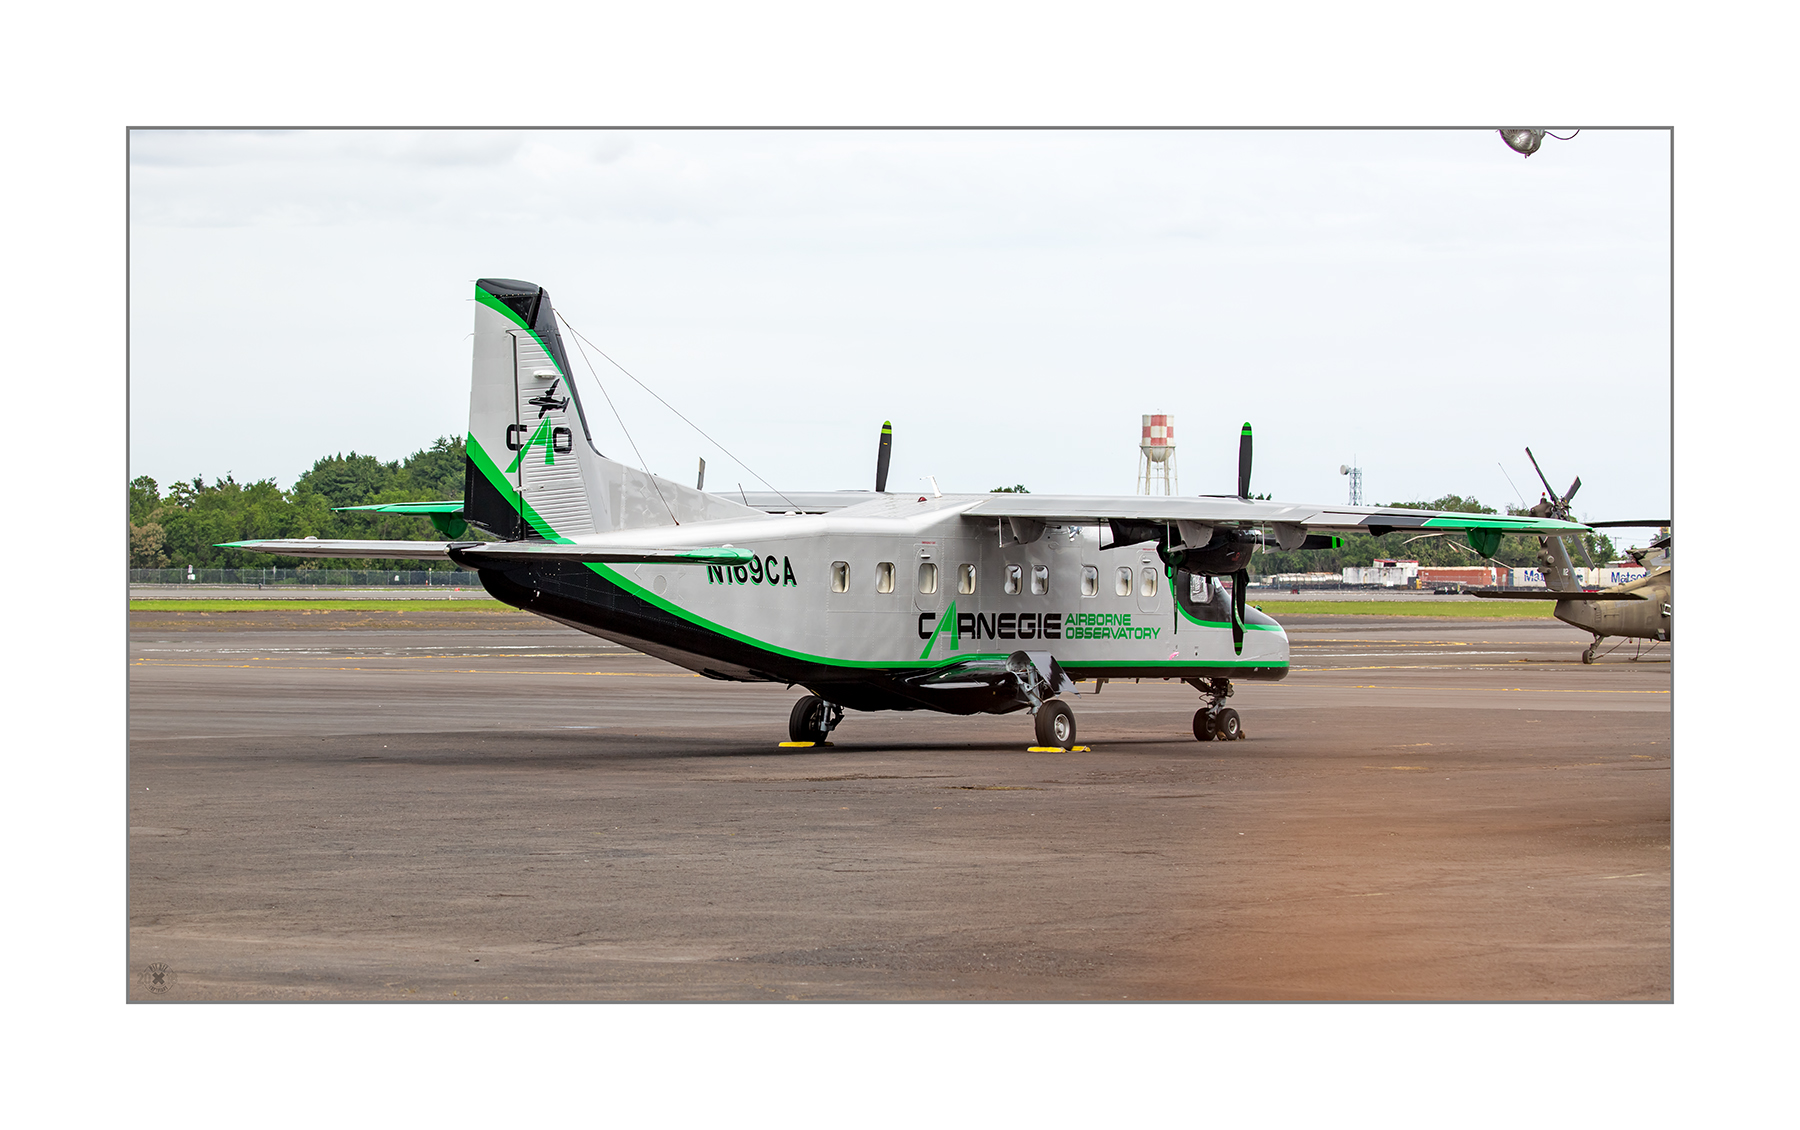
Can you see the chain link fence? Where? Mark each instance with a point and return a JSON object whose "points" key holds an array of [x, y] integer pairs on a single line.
{"points": [[435, 578]]}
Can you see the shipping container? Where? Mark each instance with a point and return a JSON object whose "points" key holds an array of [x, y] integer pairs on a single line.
{"points": [[1461, 575]]}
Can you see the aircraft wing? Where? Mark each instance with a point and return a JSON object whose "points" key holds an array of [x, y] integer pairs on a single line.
{"points": [[799, 501], [1229, 511], [476, 552]]}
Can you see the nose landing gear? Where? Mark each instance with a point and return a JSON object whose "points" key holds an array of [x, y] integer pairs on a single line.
{"points": [[1215, 721]]}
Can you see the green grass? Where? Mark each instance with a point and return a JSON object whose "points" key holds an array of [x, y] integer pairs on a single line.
{"points": [[1459, 610], [316, 605]]}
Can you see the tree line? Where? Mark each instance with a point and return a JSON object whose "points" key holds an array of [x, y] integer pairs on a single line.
{"points": [[183, 526]]}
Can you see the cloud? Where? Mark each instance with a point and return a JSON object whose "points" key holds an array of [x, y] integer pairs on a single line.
{"points": [[1376, 291]]}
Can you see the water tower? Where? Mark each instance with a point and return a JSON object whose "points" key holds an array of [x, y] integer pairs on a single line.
{"points": [[1156, 456]]}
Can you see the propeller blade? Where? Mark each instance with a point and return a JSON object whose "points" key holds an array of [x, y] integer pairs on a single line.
{"points": [[1573, 487], [1244, 462], [881, 456], [1240, 584]]}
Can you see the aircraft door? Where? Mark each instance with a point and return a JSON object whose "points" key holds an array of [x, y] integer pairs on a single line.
{"points": [[1149, 583], [927, 577]]}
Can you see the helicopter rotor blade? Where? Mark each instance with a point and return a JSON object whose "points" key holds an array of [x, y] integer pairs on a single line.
{"points": [[1573, 487], [1548, 489]]}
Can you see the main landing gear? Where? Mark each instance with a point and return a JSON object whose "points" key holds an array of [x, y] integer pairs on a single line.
{"points": [[1216, 722], [813, 719], [1593, 650], [1055, 724]]}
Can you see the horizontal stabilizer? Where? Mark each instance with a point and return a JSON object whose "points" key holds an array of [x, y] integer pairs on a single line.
{"points": [[478, 553], [454, 506], [447, 517], [1554, 594], [322, 547]]}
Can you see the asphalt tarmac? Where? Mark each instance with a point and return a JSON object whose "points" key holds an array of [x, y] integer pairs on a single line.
{"points": [[475, 804]]}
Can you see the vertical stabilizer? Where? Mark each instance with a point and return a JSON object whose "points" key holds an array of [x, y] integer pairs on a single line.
{"points": [[524, 475], [533, 471]]}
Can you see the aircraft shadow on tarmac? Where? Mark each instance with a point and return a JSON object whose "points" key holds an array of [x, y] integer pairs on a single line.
{"points": [[562, 750]]}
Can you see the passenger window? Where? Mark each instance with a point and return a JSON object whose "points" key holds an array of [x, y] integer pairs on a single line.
{"points": [[1090, 580], [1014, 578], [927, 576], [965, 579], [1148, 585], [884, 577], [840, 576], [1122, 585], [1040, 580]]}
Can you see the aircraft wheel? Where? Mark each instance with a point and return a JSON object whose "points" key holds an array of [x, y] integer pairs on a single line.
{"points": [[806, 722], [1587, 656], [1056, 724], [1204, 730], [1230, 727]]}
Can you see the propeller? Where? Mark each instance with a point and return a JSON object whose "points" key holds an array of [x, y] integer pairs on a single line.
{"points": [[1240, 580], [1559, 507], [881, 456], [1244, 462], [1240, 587]]}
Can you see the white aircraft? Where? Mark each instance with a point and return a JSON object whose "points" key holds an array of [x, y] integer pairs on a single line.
{"points": [[963, 604]]}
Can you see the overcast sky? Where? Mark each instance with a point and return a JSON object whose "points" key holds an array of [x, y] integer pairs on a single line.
{"points": [[1425, 303]]}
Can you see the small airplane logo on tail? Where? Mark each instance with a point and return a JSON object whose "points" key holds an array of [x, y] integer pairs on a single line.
{"points": [[548, 399]]}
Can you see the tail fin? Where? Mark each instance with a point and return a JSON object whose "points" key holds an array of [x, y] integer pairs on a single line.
{"points": [[533, 471]]}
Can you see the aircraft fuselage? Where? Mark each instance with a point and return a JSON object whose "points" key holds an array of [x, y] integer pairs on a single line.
{"points": [[903, 603]]}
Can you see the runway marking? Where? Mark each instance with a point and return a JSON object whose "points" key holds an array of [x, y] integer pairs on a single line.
{"points": [[1434, 666], [1388, 643], [1388, 654], [1531, 690]]}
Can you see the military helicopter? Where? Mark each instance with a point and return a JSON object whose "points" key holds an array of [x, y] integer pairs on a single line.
{"points": [[961, 604], [1638, 609]]}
